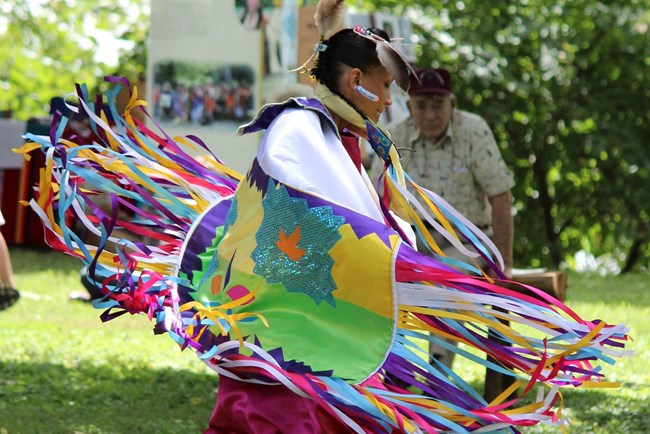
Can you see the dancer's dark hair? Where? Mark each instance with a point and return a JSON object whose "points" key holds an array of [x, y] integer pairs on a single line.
{"points": [[346, 48]]}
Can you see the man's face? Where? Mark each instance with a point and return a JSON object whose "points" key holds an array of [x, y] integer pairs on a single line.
{"points": [[432, 113]]}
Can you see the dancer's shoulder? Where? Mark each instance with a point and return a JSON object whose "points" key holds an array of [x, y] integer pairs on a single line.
{"points": [[268, 113]]}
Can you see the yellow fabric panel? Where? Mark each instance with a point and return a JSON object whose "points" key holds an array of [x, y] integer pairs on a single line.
{"points": [[363, 263], [249, 220]]}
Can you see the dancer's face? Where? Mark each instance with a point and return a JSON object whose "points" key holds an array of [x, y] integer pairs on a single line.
{"points": [[375, 82]]}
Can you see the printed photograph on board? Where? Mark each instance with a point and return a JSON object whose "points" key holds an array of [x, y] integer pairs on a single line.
{"points": [[253, 14], [277, 23], [277, 20], [203, 95]]}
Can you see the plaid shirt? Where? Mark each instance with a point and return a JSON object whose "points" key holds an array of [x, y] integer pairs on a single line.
{"points": [[464, 166]]}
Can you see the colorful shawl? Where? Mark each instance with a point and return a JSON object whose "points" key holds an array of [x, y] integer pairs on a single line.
{"points": [[270, 279]]}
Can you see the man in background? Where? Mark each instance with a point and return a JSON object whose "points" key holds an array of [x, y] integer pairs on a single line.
{"points": [[454, 154]]}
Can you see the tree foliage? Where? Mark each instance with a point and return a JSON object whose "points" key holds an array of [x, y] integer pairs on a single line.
{"points": [[47, 46], [562, 84]]}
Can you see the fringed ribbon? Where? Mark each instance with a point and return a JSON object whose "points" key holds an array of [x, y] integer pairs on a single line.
{"points": [[162, 190], [144, 184]]}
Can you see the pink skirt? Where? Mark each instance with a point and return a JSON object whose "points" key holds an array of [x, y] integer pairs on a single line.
{"points": [[245, 408]]}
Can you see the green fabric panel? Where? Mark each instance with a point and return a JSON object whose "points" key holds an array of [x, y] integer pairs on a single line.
{"points": [[320, 335]]}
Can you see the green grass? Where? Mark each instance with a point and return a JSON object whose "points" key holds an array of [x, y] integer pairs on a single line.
{"points": [[623, 299], [63, 371]]}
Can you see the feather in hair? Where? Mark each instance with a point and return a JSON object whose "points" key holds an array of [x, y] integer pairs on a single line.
{"points": [[395, 63], [330, 17]]}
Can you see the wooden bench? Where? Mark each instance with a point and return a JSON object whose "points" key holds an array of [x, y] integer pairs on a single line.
{"points": [[551, 282]]}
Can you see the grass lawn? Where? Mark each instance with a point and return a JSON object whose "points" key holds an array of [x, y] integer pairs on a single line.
{"points": [[63, 371]]}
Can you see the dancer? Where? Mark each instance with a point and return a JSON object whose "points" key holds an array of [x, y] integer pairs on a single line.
{"points": [[297, 284]]}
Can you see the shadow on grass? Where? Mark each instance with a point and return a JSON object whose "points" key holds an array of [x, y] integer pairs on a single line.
{"points": [[49, 398]]}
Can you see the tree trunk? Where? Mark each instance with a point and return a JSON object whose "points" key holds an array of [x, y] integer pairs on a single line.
{"points": [[546, 201], [633, 256]]}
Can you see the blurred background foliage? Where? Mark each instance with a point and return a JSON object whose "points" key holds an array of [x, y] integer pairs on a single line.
{"points": [[561, 82], [48, 45]]}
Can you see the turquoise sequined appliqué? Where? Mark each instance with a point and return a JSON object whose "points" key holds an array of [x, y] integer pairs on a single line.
{"points": [[293, 244]]}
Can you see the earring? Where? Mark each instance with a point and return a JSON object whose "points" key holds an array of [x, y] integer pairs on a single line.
{"points": [[365, 92]]}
